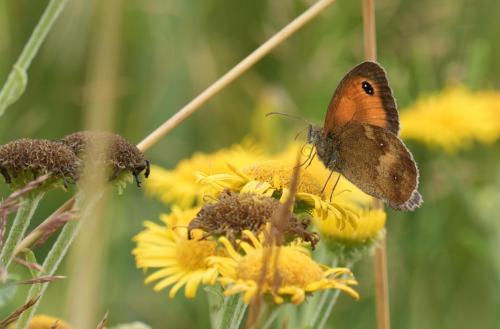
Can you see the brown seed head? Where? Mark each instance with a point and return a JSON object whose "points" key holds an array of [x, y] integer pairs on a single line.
{"points": [[39, 157], [122, 154], [234, 213]]}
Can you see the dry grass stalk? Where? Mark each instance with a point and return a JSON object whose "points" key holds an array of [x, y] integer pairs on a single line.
{"points": [[234, 73], [17, 313], [29, 265], [103, 321], [48, 228], [13, 202], [274, 238], [37, 232], [42, 279], [380, 259]]}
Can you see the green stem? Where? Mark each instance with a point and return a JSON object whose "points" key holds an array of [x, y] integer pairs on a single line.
{"points": [[324, 309], [319, 307], [17, 80], [270, 319], [55, 256], [331, 296], [225, 312], [19, 226]]}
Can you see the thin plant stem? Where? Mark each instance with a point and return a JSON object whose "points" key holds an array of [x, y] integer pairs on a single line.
{"points": [[56, 255], [272, 317], [369, 30], [17, 79], [86, 257], [332, 296], [234, 73], [23, 217], [380, 259], [382, 286], [226, 312], [322, 308]]}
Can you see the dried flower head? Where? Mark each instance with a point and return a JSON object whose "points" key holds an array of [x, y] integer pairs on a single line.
{"points": [[122, 155], [233, 213], [22, 157]]}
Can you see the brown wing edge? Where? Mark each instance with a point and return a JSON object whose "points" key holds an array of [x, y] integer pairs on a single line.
{"points": [[375, 72], [415, 200]]}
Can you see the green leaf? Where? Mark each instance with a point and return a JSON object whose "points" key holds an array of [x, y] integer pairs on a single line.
{"points": [[13, 88], [8, 289]]}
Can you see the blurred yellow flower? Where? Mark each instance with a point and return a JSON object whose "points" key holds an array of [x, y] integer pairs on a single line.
{"points": [[179, 260], [351, 243], [298, 273], [179, 186], [369, 225], [42, 321], [453, 118]]}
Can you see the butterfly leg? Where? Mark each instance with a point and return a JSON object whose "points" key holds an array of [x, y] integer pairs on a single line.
{"points": [[308, 156], [311, 160], [6, 175], [334, 186], [326, 183]]}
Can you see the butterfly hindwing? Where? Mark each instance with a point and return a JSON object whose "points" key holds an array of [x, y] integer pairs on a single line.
{"points": [[378, 162], [363, 96]]}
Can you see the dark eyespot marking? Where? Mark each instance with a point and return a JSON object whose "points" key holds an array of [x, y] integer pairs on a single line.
{"points": [[367, 87]]}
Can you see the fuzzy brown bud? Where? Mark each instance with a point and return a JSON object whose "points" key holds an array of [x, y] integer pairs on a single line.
{"points": [[233, 213], [38, 157], [122, 155]]}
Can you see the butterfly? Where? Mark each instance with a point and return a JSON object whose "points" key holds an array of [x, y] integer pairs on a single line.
{"points": [[360, 140]]}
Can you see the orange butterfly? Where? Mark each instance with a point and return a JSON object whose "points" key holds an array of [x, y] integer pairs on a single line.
{"points": [[359, 139]]}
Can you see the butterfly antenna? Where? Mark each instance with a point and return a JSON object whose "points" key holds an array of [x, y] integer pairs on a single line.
{"points": [[288, 115], [300, 133]]}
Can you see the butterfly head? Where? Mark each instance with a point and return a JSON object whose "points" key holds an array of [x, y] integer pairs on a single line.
{"points": [[324, 144]]}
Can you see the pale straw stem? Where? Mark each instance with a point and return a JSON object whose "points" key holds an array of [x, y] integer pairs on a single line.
{"points": [[380, 258], [234, 73]]}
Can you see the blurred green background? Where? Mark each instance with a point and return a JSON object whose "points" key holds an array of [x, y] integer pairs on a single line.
{"points": [[444, 262]]}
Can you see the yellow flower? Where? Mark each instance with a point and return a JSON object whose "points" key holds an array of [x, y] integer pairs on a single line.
{"points": [[272, 178], [298, 274], [179, 186], [41, 321], [368, 227], [453, 118], [351, 243], [178, 260]]}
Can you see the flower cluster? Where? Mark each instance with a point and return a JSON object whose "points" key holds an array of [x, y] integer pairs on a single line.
{"points": [[453, 118], [218, 231]]}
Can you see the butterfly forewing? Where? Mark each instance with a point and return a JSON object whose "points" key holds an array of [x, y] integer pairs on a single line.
{"points": [[363, 96], [378, 162]]}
